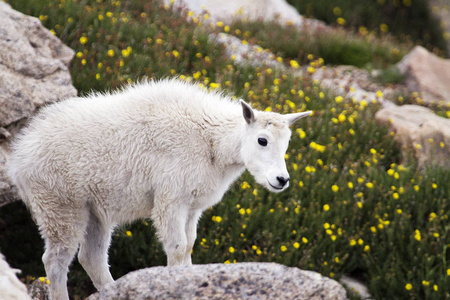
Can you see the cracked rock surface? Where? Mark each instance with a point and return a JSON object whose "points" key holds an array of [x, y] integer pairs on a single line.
{"points": [[33, 72]]}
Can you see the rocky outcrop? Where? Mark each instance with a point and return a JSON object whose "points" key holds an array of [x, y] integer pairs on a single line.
{"points": [[356, 84], [221, 281], [34, 76], [267, 10], [11, 287], [246, 54], [428, 74], [419, 131]]}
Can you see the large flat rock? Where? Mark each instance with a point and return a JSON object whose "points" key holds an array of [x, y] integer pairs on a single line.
{"points": [[221, 281]]}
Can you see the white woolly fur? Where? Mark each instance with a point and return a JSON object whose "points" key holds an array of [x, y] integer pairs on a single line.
{"points": [[165, 150]]}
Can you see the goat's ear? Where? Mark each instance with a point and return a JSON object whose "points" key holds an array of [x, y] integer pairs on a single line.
{"points": [[247, 111], [292, 118]]}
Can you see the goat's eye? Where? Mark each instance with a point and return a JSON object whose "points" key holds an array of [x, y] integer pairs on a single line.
{"points": [[262, 142]]}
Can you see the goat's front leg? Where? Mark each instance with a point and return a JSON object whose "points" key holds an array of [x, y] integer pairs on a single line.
{"points": [[191, 234], [170, 222]]}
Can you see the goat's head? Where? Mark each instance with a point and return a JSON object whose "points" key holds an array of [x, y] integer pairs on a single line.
{"points": [[265, 146]]}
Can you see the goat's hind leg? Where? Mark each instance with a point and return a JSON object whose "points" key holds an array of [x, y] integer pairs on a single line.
{"points": [[62, 228], [93, 255], [56, 260]]}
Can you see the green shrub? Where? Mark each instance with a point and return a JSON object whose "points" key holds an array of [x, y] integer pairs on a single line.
{"points": [[336, 47], [406, 19]]}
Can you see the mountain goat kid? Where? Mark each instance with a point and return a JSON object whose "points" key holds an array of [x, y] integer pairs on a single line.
{"points": [[165, 150]]}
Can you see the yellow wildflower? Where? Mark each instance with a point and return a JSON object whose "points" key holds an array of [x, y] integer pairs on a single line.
{"points": [[335, 188], [245, 185], [83, 40], [301, 133], [379, 94], [317, 147], [126, 52], [214, 85], [341, 21], [417, 235], [290, 103], [311, 70], [337, 10], [432, 216], [197, 75], [217, 219]]}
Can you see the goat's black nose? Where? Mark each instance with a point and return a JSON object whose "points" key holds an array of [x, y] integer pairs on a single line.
{"points": [[282, 180]]}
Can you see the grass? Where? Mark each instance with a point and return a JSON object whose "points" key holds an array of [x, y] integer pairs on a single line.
{"points": [[335, 47], [407, 20], [352, 208]]}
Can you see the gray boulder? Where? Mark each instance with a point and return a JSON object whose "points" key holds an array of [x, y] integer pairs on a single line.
{"points": [[420, 132], [428, 74], [33, 72], [221, 281]]}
